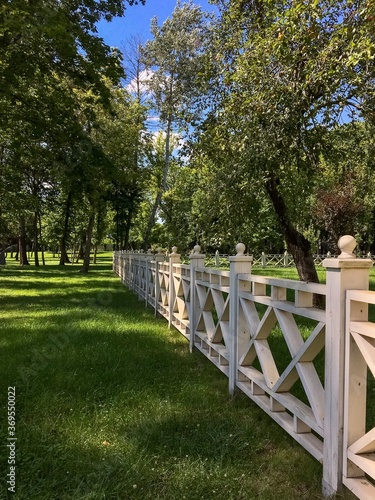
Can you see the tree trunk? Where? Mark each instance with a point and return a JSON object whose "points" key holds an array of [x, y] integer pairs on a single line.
{"points": [[86, 260], [129, 217], [296, 243], [41, 240], [36, 239], [81, 250], [95, 253], [22, 243], [64, 259], [162, 187]]}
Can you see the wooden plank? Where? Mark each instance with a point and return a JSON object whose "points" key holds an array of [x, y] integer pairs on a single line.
{"points": [[214, 360], [360, 487], [290, 331], [303, 299], [221, 288], [288, 378], [367, 296], [367, 350], [202, 293], [291, 403], [309, 441], [366, 328], [366, 462], [306, 312], [313, 388], [307, 352], [251, 315], [366, 444], [218, 335], [220, 348], [224, 326], [266, 324], [305, 286], [267, 362], [219, 302]]}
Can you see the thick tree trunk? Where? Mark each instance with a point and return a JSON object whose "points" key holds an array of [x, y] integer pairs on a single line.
{"points": [[22, 243], [64, 259], [86, 260], [162, 187], [81, 250], [296, 243]]}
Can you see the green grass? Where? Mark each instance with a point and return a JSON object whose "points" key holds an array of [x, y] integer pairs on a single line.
{"points": [[111, 404]]}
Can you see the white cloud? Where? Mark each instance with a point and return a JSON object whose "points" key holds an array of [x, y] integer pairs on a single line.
{"points": [[144, 77]]}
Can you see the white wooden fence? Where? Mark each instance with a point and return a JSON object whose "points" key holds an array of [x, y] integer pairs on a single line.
{"points": [[316, 390]]}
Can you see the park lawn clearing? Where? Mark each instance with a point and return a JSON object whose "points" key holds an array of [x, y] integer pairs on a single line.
{"points": [[110, 404]]}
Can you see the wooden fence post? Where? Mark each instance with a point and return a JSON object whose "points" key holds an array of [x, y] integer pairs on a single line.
{"points": [[286, 259], [174, 258], [264, 260], [239, 264], [196, 260], [159, 257], [148, 258], [343, 273]]}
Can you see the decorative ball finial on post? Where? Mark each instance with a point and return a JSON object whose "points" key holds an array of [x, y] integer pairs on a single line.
{"points": [[240, 249], [174, 251], [197, 250], [347, 245]]}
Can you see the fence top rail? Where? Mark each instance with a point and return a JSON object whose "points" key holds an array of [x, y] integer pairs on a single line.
{"points": [[181, 266], [303, 286], [366, 296], [209, 270]]}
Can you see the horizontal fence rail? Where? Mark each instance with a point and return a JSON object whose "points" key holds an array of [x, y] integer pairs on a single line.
{"points": [[276, 342]]}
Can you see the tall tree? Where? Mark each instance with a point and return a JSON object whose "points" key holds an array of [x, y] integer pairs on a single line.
{"points": [[48, 51], [174, 58], [284, 72]]}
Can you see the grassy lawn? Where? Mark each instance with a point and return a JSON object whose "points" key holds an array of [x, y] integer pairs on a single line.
{"points": [[110, 404]]}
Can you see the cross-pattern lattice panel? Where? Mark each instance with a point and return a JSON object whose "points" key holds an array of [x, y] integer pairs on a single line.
{"points": [[280, 338], [211, 335], [162, 289], [181, 299]]}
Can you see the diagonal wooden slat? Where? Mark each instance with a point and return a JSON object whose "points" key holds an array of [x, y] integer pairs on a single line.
{"points": [[366, 444], [178, 286], [252, 317], [290, 331], [202, 292], [263, 331], [219, 302], [313, 345], [367, 350], [313, 388], [224, 327], [186, 289], [267, 362], [306, 371], [218, 335], [266, 324]]}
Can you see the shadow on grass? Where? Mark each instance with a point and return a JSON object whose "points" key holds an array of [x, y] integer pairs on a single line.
{"points": [[111, 405]]}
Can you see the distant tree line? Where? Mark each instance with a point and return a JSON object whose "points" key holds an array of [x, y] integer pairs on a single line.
{"points": [[265, 129]]}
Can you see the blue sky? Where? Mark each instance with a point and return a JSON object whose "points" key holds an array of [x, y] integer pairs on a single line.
{"points": [[137, 21]]}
